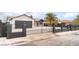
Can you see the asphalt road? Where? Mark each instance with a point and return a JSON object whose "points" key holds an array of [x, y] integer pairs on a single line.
{"points": [[58, 40]]}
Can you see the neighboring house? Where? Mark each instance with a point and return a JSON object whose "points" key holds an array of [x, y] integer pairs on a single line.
{"points": [[37, 22], [66, 22], [18, 21]]}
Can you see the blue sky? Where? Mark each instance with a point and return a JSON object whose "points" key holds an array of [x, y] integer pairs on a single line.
{"points": [[41, 15], [60, 15]]}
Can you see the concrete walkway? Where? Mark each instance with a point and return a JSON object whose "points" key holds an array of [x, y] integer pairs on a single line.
{"points": [[43, 39]]}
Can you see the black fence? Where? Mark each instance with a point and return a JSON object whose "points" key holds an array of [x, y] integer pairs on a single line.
{"points": [[6, 30], [54, 28], [62, 28]]}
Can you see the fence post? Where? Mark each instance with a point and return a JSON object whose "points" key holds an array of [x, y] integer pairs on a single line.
{"points": [[61, 27], [9, 29], [67, 27], [42, 28], [70, 27], [53, 26]]}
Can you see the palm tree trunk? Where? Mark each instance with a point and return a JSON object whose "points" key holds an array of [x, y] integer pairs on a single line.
{"points": [[50, 23]]}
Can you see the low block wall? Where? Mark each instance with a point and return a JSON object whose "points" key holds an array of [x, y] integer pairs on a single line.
{"points": [[11, 34], [37, 30]]}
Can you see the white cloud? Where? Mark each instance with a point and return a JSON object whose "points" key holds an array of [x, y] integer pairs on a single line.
{"points": [[70, 14], [8, 14], [39, 5], [36, 14]]}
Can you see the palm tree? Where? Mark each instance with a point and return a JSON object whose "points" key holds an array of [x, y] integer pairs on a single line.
{"points": [[51, 17]]}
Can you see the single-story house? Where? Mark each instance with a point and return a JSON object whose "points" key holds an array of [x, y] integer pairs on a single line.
{"points": [[37, 22], [66, 22], [18, 21]]}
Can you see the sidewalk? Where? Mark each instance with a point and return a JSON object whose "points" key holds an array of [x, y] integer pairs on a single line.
{"points": [[27, 39], [32, 38]]}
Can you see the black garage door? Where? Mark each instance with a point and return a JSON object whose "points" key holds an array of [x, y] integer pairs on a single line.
{"points": [[19, 24]]}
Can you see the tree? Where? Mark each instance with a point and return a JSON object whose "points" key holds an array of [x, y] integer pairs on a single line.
{"points": [[31, 16], [51, 18], [76, 20]]}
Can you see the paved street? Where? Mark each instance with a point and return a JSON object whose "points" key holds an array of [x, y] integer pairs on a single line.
{"points": [[69, 38], [57, 40]]}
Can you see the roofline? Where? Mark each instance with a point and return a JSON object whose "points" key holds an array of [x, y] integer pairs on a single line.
{"points": [[21, 15]]}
